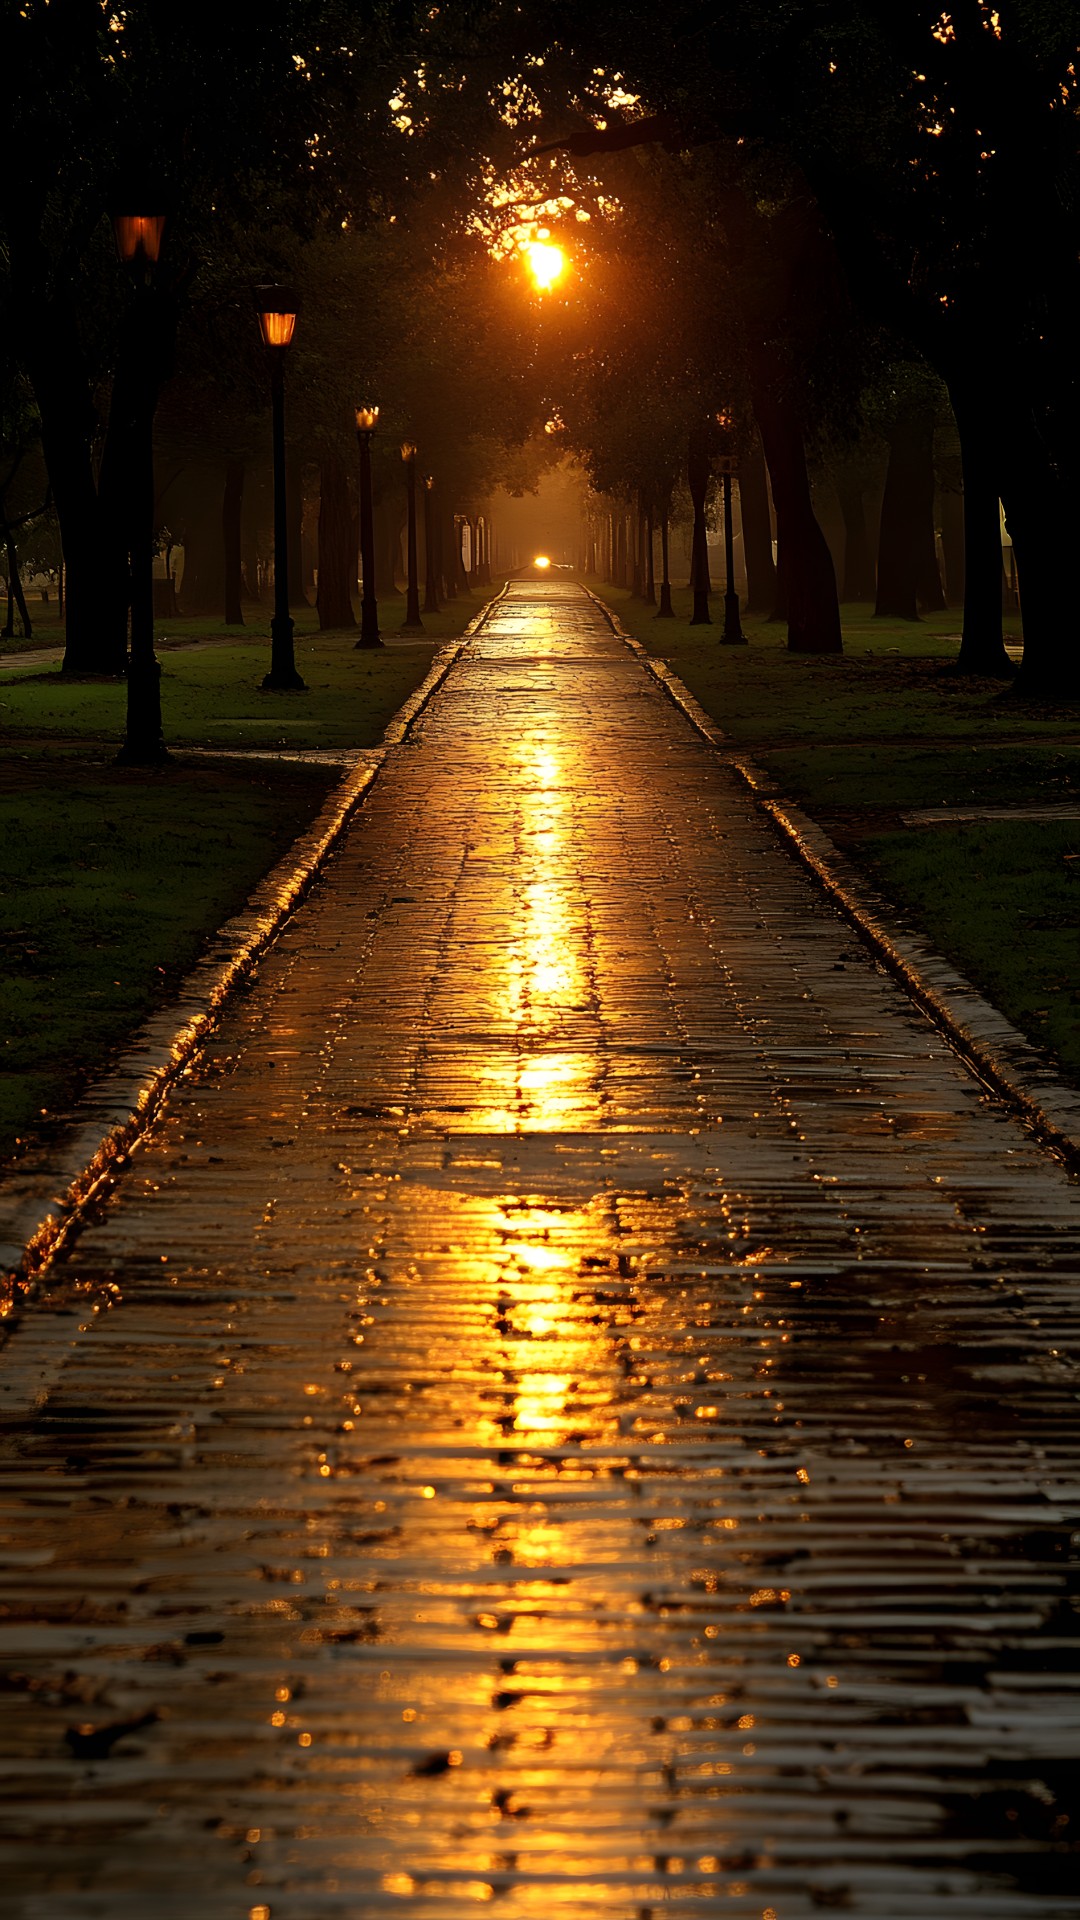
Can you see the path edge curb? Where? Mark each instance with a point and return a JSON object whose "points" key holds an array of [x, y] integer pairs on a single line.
{"points": [[1001, 1056], [43, 1204]]}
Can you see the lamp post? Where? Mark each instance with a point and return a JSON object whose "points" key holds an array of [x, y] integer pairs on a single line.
{"points": [[138, 244], [431, 571], [412, 622], [277, 309], [367, 419], [732, 635]]}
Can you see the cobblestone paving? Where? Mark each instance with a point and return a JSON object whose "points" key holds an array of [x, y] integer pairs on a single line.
{"points": [[574, 1406]]}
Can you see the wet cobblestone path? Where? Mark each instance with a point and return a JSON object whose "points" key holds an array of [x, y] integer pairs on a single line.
{"points": [[573, 1408]]}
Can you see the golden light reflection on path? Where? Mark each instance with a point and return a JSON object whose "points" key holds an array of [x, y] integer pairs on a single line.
{"points": [[572, 1410]]}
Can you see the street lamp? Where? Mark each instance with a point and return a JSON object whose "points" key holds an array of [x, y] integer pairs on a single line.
{"points": [[733, 635], [277, 309], [431, 572], [367, 419], [138, 244], [412, 622]]}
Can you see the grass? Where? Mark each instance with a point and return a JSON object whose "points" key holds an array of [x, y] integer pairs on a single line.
{"points": [[883, 729], [1002, 900], [111, 880], [211, 694]]}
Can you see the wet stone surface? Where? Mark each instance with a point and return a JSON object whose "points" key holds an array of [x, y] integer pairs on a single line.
{"points": [[573, 1408]]}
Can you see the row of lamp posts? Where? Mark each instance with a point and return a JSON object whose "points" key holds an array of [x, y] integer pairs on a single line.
{"points": [[138, 244]]}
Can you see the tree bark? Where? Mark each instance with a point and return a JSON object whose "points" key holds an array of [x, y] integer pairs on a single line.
{"points": [[982, 647], [96, 586], [697, 474], [337, 546], [232, 504], [757, 529], [15, 595], [1042, 508], [650, 559], [859, 583], [461, 571], [618, 572], [806, 576], [665, 610]]}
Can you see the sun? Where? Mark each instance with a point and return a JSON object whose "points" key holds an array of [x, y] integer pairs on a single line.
{"points": [[546, 263]]}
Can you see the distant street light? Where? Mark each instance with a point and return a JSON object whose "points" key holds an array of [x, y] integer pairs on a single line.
{"points": [[412, 622], [277, 309], [138, 245], [732, 635], [431, 572], [367, 419]]}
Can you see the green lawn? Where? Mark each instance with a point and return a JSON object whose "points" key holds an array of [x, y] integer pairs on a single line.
{"points": [[211, 693], [885, 729], [111, 880]]}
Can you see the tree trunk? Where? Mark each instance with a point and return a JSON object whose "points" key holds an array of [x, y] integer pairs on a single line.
{"points": [[618, 572], [807, 577], [461, 571], [982, 647], [757, 530], [697, 474], [96, 585], [665, 610], [650, 559], [907, 561], [1042, 507], [859, 581], [231, 511], [445, 548], [15, 595], [337, 546]]}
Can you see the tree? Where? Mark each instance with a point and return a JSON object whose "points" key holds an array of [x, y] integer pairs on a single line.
{"points": [[940, 148], [235, 122]]}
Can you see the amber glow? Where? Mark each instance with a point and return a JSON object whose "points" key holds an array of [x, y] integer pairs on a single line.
{"points": [[277, 328], [138, 236], [546, 263], [367, 419], [539, 980], [541, 561]]}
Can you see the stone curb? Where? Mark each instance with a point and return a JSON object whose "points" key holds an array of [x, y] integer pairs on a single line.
{"points": [[42, 1204], [997, 1051]]}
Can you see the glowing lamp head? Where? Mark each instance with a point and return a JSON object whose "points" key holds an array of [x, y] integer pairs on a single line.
{"points": [[367, 419], [546, 263], [408, 450], [138, 237], [542, 562], [277, 308]]}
